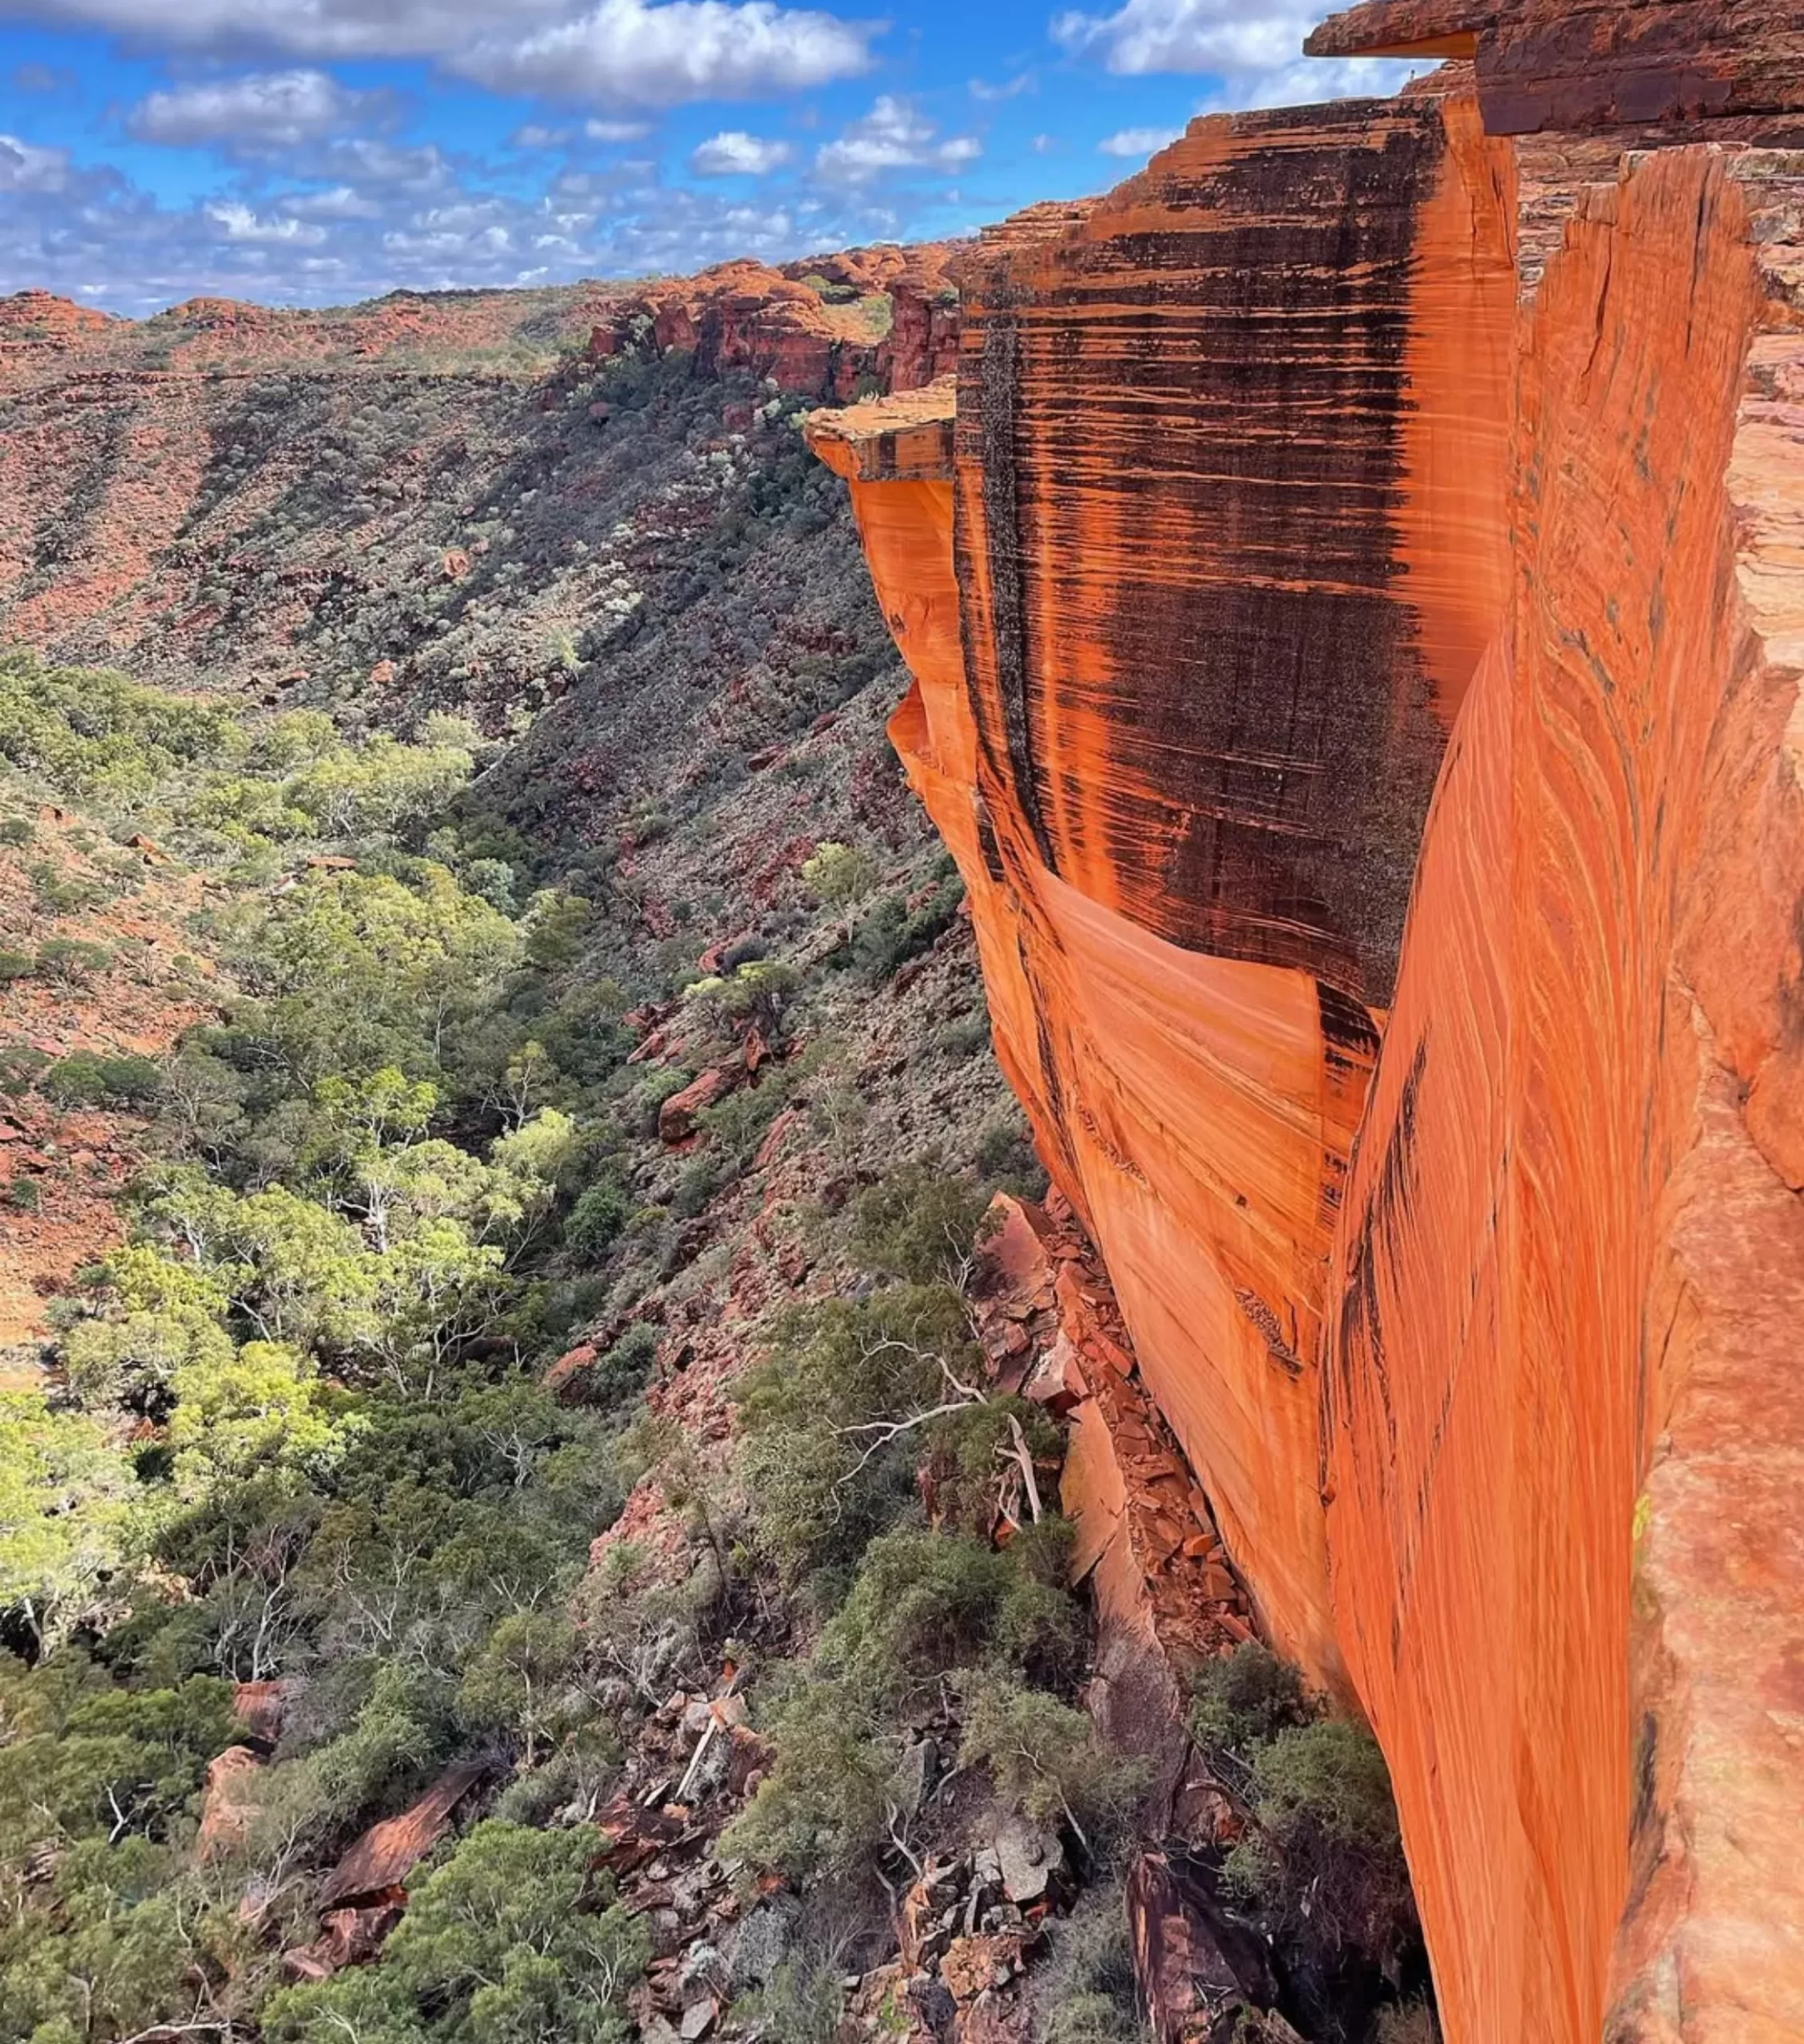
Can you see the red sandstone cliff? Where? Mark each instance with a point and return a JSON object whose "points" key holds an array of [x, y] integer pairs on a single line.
{"points": [[1355, 590], [828, 327]]}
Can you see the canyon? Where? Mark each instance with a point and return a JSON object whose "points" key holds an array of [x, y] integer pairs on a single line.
{"points": [[1353, 581]]}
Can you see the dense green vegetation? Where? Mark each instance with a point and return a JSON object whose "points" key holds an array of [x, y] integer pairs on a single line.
{"points": [[296, 1426]]}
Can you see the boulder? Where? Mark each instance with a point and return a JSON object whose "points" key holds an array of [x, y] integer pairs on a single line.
{"points": [[676, 1118], [381, 1860], [347, 1937], [1031, 1862], [228, 1802], [1200, 1971]]}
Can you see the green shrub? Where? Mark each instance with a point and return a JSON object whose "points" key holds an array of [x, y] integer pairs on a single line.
{"points": [[819, 1489], [837, 875], [824, 1805], [15, 965], [21, 1066], [1046, 1758], [964, 1451], [892, 934], [919, 1224], [1245, 1697], [1086, 1991], [802, 2002], [1005, 1157], [1321, 1866], [16, 830], [595, 1221], [72, 961], [22, 1196], [1327, 1856], [89, 1079], [511, 1937], [623, 1371], [491, 879], [963, 1037], [925, 1603], [638, 1111], [703, 1178], [60, 893], [756, 995]]}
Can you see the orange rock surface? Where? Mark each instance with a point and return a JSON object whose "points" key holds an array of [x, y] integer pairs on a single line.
{"points": [[1355, 594], [894, 326]]}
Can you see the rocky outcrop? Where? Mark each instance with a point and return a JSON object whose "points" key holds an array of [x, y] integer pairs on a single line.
{"points": [[828, 328], [1552, 65], [41, 316], [1355, 595]]}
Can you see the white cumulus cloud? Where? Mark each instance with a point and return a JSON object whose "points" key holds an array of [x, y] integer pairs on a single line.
{"points": [[625, 52], [617, 131], [341, 203], [734, 153], [1257, 52], [265, 108], [241, 224], [611, 52], [895, 135], [25, 167], [1137, 141]]}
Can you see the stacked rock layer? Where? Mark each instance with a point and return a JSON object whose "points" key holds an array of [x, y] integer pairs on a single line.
{"points": [[1355, 590]]}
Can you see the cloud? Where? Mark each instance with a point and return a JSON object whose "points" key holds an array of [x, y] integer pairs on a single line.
{"points": [[1010, 88], [1307, 82], [25, 167], [736, 154], [264, 109], [625, 52], [338, 204], [365, 217], [536, 135], [1137, 141], [1241, 46], [611, 53], [894, 135], [43, 78], [303, 28], [368, 164], [241, 224]]}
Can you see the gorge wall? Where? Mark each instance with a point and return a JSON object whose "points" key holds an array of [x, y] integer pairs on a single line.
{"points": [[1354, 586]]}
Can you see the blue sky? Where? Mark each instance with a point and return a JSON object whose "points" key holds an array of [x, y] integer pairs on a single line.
{"points": [[318, 151]]}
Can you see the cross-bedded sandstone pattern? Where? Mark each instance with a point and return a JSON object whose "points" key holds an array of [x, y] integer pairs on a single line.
{"points": [[1356, 595]]}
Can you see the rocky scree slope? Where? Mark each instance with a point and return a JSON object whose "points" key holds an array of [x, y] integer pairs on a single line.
{"points": [[444, 488]]}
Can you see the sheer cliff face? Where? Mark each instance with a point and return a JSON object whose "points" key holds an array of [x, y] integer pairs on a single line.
{"points": [[1357, 604]]}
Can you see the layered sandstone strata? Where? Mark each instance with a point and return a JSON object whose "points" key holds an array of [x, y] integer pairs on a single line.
{"points": [[1355, 590]]}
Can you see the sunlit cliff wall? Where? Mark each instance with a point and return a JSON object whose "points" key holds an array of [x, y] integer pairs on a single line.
{"points": [[1356, 596]]}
